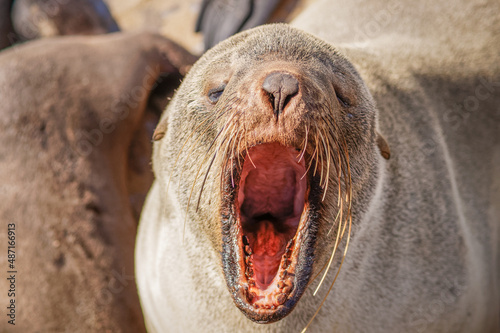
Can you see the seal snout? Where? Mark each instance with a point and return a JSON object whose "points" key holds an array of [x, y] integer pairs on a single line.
{"points": [[281, 87]]}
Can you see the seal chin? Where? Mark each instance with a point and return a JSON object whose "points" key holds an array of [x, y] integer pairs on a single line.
{"points": [[269, 214]]}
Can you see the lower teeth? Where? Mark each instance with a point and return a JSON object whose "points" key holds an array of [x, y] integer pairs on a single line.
{"points": [[283, 287]]}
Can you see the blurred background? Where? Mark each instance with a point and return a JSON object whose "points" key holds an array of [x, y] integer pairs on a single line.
{"points": [[175, 19]]}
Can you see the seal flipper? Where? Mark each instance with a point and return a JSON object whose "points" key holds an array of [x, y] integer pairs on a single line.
{"points": [[219, 20]]}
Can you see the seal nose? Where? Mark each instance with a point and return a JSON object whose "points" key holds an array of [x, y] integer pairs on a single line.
{"points": [[281, 87]]}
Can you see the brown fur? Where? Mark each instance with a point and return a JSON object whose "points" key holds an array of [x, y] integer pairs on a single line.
{"points": [[7, 34], [423, 253], [75, 125], [23, 20], [332, 109]]}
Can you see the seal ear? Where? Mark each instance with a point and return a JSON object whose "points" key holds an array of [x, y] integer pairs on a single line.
{"points": [[385, 151], [160, 130]]}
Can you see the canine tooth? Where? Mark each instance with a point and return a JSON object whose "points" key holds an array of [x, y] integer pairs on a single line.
{"points": [[251, 295], [281, 298]]}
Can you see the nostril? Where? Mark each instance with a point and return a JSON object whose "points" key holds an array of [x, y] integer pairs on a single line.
{"points": [[272, 100], [281, 87]]}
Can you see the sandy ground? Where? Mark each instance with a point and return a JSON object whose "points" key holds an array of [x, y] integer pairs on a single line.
{"points": [[175, 19]]}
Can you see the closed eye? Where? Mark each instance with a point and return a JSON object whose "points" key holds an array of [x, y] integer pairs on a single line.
{"points": [[215, 93], [342, 100]]}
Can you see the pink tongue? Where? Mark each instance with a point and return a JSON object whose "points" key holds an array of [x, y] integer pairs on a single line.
{"points": [[268, 247]]}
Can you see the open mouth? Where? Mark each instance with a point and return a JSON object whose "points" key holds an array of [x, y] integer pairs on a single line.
{"points": [[268, 230]]}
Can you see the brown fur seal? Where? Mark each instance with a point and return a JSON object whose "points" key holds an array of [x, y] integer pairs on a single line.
{"points": [[76, 122], [271, 167]]}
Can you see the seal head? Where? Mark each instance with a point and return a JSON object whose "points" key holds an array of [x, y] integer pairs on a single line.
{"points": [[269, 138]]}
